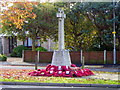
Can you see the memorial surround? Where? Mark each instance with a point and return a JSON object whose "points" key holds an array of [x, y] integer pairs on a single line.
{"points": [[61, 63]]}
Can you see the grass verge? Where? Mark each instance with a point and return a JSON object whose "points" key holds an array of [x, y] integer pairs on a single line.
{"points": [[61, 80]]}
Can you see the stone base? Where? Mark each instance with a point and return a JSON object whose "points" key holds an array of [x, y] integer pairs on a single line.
{"points": [[61, 58]]}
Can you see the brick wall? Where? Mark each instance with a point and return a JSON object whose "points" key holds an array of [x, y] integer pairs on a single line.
{"points": [[31, 56], [91, 57]]}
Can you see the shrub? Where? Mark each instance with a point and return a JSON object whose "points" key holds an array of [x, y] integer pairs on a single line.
{"points": [[3, 57], [41, 49], [17, 51]]}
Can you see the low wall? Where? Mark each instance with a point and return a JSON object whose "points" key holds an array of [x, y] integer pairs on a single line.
{"points": [[91, 57]]}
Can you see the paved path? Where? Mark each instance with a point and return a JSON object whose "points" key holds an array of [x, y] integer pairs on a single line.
{"points": [[105, 69]]}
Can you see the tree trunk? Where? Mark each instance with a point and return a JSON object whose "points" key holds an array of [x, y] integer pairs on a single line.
{"points": [[33, 44]]}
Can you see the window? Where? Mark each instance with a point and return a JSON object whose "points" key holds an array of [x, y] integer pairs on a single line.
{"points": [[28, 42], [25, 43]]}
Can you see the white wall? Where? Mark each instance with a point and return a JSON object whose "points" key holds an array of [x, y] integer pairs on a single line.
{"points": [[50, 45]]}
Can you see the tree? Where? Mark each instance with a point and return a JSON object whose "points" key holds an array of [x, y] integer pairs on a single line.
{"points": [[44, 25], [14, 17], [101, 15], [17, 14], [79, 30], [117, 11], [29, 20]]}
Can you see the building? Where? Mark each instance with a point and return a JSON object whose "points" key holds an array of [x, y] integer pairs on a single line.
{"points": [[8, 43]]}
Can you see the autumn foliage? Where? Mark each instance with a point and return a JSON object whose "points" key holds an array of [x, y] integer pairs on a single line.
{"points": [[17, 14]]}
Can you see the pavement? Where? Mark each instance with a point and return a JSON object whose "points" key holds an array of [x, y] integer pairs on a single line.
{"points": [[107, 68], [17, 63], [25, 65]]}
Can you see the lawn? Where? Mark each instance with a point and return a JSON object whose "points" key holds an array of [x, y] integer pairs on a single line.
{"points": [[15, 75]]}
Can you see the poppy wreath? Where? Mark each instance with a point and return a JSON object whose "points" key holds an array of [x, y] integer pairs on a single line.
{"points": [[62, 71], [42, 73], [88, 71], [52, 67], [47, 67], [59, 68], [76, 74], [50, 73], [73, 65], [58, 73], [38, 69], [34, 73], [66, 68], [67, 74], [82, 72]]}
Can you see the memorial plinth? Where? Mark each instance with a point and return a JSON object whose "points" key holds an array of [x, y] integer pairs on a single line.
{"points": [[61, 58]]}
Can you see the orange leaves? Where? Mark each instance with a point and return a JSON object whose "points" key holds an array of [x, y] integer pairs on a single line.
{"points": [[18, 13], [33, 15]]}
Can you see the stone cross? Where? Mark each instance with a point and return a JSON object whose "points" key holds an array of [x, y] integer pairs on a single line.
{"points": [[61, 57], [61, 17]]}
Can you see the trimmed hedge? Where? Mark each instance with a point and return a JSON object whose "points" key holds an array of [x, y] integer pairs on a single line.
{"points": [[17, 51], [41, 49], [3, 57]]}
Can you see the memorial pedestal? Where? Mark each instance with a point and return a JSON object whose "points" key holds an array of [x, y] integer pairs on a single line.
{"points": [[61, 58]]}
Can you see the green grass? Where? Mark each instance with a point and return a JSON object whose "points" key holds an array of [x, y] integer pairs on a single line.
{"points": [[62, 80]]}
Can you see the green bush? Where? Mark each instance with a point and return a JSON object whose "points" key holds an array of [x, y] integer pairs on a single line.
{"points": [[41, 49], [17, 51], [3, 57]]}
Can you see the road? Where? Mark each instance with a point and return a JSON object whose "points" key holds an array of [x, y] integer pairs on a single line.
{"points": [[24, 65], [19, 67], [19, 87], [32, 67]]}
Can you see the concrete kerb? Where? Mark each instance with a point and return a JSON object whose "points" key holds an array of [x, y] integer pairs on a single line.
{"points": [[105, 85], [60, 84], [77, 85]]}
